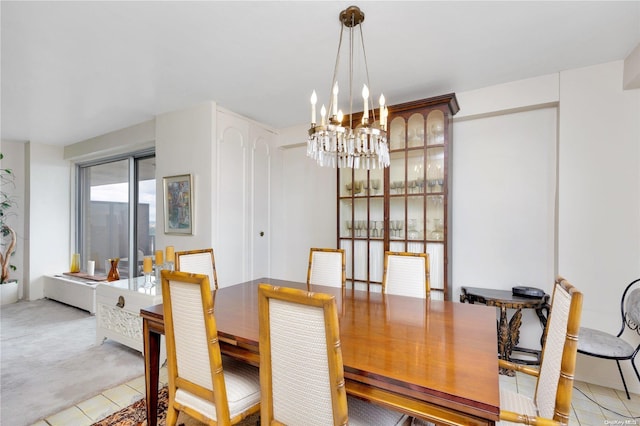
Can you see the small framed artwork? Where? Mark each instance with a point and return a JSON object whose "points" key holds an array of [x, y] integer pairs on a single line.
{"points": [[178, 204]]}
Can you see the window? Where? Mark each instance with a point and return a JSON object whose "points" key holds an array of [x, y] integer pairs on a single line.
{"points": [[117, 212]]}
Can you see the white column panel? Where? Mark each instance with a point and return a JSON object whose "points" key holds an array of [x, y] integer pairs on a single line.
{"points": [[260, 211], [232, 225]]}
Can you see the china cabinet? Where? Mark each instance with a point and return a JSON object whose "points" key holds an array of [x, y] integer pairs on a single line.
{"points": [[405, 207]]}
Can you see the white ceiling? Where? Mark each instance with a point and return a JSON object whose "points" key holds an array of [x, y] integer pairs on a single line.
{"points": [[75, 70]]}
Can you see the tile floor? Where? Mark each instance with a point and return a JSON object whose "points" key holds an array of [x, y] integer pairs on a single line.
{"points": [[588, 402], [586, 412]]}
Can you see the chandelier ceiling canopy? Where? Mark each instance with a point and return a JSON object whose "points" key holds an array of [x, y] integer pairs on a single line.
{"points": [[335, 144]]}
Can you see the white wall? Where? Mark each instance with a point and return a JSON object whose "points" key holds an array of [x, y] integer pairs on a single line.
{"points": [[49, 189], [184, 145], [307, 208], [599, 193], [503, 226]]}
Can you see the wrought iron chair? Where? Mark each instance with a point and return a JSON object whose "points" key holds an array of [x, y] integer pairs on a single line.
{"points": [[406, 274], [203, 384], [198, 262], [551, 404], [301, 371], [327, 267], [601, 344]]}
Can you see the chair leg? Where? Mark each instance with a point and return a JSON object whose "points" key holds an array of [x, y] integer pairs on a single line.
{"points": [[172, 415], [633, 363], [624, 383]]}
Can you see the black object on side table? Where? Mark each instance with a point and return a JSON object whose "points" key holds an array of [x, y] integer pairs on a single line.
{"points": [[509, 331]]}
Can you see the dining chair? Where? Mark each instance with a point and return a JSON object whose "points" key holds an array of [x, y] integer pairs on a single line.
{"points": [[198, 262], [551, 403], [327, 267], [201, 382], [406, 274], [301, 371], [601, 344]]}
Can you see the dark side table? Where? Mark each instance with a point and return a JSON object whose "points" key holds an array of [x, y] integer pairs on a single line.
{"points": [[509, 331]]}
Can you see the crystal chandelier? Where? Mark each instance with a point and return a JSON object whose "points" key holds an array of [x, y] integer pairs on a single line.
{"points": [[333, 144]]}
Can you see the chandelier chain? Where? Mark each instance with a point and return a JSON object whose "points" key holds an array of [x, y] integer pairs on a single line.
{"points": [[335, 68], [366, 70]]}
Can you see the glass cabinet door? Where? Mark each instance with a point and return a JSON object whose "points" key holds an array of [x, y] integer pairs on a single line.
{"points": [[406, 206]]}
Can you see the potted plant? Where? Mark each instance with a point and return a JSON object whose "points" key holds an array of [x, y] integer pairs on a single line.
{"points": [[8, 287]]}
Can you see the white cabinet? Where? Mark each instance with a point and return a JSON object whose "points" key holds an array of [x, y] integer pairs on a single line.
{"points": [[242, 176], [118, 305]]}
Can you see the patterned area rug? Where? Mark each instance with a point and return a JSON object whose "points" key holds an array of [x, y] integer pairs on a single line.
{"points": [[136, 415]]}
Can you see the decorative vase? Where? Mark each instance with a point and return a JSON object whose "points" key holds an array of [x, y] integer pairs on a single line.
{"points": [[75, 263], [114, 275]]}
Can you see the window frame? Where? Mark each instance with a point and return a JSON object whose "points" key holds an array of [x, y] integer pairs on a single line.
{"points": [[133, 197]]}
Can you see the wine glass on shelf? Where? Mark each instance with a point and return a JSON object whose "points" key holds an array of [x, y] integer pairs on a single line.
{"points": [[375, 185], [373, 232], [413, 233], [440, 177], [400, 227], [437, 229], [349, 228], [348, 186], [399, 187], [357, 187], [365, 186]]}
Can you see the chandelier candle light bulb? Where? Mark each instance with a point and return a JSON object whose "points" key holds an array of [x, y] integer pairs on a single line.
{"points": [[335, 99], [365, 98], [314, 99], [382, 120]]}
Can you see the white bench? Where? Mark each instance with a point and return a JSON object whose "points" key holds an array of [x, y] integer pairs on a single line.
{"points": [[72, 291]]}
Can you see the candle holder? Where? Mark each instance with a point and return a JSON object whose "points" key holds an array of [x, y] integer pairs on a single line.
{"points": [[148, 283]]}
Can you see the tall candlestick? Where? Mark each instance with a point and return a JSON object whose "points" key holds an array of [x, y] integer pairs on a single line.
{"points": [[159, 257], [147, 265], [365, 97], [381, 111], [335, 99], [323, 114], [170, 254], [314, 99]]}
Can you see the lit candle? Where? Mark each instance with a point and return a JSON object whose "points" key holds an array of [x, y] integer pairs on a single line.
{"points": [[147, 265], [159, 256], [323, 113], [365, 97], [170, 253], [335, 99], [381, 111], [314, 99], [340, 116]]}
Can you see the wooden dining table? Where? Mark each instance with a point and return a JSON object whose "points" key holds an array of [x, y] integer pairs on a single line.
{"points": [[436, 360]]}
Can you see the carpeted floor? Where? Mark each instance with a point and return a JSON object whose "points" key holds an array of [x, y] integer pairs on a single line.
{"points": [[135, 415], [49, 360]]}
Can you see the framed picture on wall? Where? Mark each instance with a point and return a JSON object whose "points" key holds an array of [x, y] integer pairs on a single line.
{"points": [[178, 204]]}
